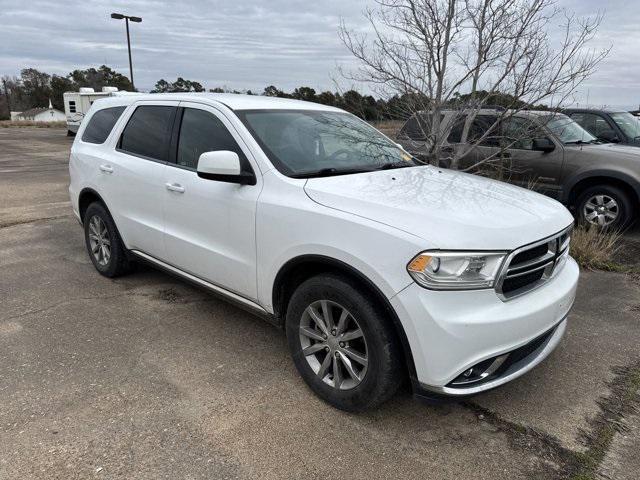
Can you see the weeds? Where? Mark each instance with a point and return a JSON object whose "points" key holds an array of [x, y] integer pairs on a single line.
{"points": [[596, 249]]}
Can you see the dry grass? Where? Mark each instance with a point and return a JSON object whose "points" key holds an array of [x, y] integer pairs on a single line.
{"points": [[596, 249], [22, 124], [389, 127]]}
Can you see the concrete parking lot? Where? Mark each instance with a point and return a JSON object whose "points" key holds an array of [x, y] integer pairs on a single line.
{"points": [[147, 377]]}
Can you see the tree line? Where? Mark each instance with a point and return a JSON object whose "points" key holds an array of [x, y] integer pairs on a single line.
{"points": [[34, 88]]}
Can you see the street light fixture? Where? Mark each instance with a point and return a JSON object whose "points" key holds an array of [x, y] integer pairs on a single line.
{"points": [[119, 16]]}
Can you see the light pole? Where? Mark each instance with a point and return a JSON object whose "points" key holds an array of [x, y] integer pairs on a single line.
{"points": [[119, 16]]}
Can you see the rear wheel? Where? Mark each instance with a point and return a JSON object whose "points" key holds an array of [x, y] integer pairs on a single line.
{"points": [[605, 206], [341, 344], [103, 242]]}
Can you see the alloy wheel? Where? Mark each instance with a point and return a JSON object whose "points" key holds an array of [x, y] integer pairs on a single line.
{"points": [[601, 210], [99, 241], [333, 344]]}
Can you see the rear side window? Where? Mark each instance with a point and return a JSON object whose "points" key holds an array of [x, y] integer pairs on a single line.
{"points": [[417, 127], [201, 132], [101, 124], [147, 132], [455, 134], [480, 126]]}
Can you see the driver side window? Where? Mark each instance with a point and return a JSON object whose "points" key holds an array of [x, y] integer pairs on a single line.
{"points": [[201, 131], [519, 133]]}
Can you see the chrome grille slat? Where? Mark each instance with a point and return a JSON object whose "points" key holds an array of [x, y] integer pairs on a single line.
{"points": [[526, 272], [517, 279], [526, 265]]}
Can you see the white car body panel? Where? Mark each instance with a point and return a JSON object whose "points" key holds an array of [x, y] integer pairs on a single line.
{"points": [[209, 228], [443, 206], [239, 237]]}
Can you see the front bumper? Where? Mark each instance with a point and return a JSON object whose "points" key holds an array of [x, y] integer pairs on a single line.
{"points": [[451, 331]]}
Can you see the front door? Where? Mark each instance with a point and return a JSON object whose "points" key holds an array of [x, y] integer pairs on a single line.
{"points": [[525, 166], [209, 224]]}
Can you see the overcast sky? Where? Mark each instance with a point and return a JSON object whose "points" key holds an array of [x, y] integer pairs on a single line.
{"points": [[249, 44]]}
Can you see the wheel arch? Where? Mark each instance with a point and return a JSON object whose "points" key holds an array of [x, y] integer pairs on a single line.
{"points": [[620, 179], [86, 197], [303, 267]]}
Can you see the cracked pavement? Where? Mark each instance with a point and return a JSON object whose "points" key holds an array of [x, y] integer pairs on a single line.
{"points": [[148, 377]]}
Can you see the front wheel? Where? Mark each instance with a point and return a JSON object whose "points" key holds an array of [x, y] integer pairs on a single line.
{"points": [[342, 344], [605, 206]]}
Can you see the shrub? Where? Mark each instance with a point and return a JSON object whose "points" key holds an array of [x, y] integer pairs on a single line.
{"points": [[596, 249]]}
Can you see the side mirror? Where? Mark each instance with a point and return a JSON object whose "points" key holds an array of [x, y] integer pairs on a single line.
{"points": [[223, 166], [609, 136], [543, 145]]}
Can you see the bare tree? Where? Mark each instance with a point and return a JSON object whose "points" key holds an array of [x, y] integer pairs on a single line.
{"points": [[493, 51]]}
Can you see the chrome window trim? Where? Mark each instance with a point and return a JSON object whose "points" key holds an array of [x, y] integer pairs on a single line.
{"points": [[548, 261]]}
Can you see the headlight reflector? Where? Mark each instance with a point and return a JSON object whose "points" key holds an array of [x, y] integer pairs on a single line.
{"points": [[441, 270]]}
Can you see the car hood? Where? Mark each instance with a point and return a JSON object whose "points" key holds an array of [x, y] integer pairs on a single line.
{"points": [[611, 150], [448, 209]]}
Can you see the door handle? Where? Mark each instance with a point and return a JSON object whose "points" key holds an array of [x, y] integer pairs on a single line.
{"points": [[106, 168], [174, 187]]}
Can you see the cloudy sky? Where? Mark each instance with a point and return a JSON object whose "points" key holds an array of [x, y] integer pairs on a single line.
{"points": [[249, 44]]}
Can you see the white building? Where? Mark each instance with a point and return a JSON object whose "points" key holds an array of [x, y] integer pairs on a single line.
{"points": [[40, 115]]}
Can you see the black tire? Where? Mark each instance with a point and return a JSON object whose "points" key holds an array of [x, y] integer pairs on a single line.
{"points": [[624, 205], [70, 133], [384, 372], [118, 263]]}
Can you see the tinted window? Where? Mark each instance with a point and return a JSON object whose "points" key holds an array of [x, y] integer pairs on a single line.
{"points": [[72, 106], [101, 124], [418, 127], [480, 126], [201, 132], [147, 132], [519, 133], [591, 122], [455, 135]]}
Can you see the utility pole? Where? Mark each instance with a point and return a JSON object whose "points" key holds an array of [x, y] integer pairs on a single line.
{"points": [[6, 95], [119, 16]]}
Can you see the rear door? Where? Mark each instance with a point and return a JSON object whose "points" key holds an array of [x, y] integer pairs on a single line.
{"points": [[132, 175], [209, 224]]}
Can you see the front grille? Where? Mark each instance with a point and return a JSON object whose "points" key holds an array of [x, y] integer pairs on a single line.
{"points": [[531, 266]]}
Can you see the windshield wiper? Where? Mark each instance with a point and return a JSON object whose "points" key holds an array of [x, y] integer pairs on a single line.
{"points": [[327, 172], [581, 142], [390, 165]]}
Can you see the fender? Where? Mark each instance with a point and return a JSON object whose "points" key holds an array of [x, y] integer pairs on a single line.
{"points": [[355, 273], [623, 176]]}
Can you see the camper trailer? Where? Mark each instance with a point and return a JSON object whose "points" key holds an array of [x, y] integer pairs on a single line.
{"points": [[77, 104]]}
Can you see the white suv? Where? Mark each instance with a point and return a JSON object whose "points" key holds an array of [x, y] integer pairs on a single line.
{"points": [[378, 267]]}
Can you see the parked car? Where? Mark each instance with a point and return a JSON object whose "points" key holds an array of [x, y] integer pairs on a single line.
{"points": [[557, 157], [378, 267], [611, 126]]}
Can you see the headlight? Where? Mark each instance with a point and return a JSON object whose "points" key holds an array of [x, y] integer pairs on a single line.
{"points": [[440, 270]]}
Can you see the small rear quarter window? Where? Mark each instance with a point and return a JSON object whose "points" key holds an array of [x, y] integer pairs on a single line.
{"points": [[100, 124]]}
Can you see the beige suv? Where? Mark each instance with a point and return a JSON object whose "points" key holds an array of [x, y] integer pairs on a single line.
{"points": [[600, 182]]}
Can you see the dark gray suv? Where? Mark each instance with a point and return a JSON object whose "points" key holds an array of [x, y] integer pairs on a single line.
{"points": [[599, 182], [608, 125]]}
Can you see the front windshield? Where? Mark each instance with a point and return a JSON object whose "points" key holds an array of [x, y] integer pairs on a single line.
{"points": [[629, 124], [567, 130], [304, 143]]}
